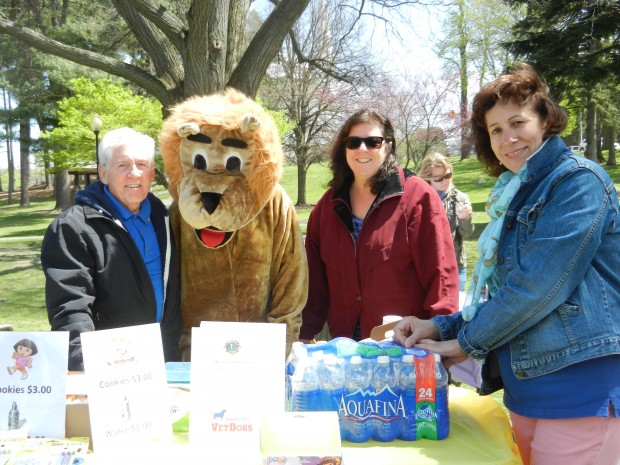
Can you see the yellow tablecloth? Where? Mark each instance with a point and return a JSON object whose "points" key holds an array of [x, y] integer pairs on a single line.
{"points": [[480, 434]]}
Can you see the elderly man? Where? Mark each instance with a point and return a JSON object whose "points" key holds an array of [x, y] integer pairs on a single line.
{"points": [[110, 260]]}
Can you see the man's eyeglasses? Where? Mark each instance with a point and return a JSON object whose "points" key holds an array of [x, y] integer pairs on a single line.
{"points": [[373, 142], [448, 175]]}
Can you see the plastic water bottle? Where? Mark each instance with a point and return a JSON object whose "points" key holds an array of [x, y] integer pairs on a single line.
{"points": [[305, 387], [331, 382], [406, 383], [441, 399], [13, 417], [354, 425], [387, 400]]}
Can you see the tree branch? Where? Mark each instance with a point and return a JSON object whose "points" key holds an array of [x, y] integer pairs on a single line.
{"points": [[168, 23], [94, 60], [265, 45], [168, 66], [318, 62]]}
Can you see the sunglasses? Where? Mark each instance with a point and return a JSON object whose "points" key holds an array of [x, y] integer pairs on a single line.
{"points": [[443, 178], [373, 142]]}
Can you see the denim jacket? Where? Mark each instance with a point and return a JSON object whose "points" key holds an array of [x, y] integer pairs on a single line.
{"points": [[559, 265]]}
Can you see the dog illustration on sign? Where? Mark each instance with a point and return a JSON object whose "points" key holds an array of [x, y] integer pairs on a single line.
{"points": [[219, 415]]}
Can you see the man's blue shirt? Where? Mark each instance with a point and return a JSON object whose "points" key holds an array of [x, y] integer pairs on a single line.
{"points": [[142, 232]]}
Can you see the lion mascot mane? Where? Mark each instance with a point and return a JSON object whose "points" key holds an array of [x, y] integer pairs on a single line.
{"points": [[241, 249]]}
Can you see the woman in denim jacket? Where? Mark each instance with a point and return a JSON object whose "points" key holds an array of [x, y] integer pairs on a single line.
{"points": [[550, 333]]}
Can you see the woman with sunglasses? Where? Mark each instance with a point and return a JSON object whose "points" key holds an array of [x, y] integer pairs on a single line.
{"points": [[437, 171], [378, 241], [550, 255]]}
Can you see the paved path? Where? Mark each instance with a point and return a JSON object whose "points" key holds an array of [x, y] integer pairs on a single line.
{"points": [[21, 238]]}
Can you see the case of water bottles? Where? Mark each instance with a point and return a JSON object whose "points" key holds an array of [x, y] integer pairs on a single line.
{"points": [[381, 390]]}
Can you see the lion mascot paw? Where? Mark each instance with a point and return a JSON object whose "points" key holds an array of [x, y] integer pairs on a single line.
{"points": [[241, 250]]}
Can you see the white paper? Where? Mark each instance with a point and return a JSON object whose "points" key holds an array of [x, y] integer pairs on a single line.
{"points": [[237, 375], [33, 383], [126, 385]]}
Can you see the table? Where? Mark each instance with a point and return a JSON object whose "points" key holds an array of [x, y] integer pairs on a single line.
{"points": [[480, 434], [87, 172]]}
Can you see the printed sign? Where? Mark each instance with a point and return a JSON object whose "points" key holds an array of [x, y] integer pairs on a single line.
{"points": [[33, 384], [236, 377], [126, 385]]}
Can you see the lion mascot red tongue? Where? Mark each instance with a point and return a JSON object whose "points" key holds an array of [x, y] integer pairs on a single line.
{"points": [[241, 249]]}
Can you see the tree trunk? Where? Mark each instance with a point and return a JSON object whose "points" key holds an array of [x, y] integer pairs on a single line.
{"points": [[9, 153], [463, 40], [61, 190], [24, 157], [302, 169], [590, 127], [610, 137], [9, 148], [48, 176]]}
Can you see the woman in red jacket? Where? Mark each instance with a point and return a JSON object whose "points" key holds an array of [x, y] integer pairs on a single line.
{"points": [[378, 241]]}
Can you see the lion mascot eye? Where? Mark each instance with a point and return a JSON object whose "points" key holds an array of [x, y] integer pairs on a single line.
{"points": [[233, 164], [200, 162]]}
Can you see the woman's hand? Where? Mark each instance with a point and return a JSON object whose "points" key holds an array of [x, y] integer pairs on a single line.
{"points": [[450, 351], [410, 330], [463, 211]]}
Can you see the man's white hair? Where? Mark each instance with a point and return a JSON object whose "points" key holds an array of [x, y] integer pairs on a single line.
{"points": [[139, 144]]}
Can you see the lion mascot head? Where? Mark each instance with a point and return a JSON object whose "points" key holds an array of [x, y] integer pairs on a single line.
{"points": [[240, 246], [223, 158]]}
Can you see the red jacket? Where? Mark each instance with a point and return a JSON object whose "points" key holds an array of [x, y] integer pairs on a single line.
{"points": [[403, 264]]}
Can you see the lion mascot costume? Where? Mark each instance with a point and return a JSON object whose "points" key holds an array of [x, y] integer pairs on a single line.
{"points": [[241, 250]]}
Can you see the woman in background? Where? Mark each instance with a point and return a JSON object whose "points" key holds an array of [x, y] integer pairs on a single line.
{"points": [[378, 241], [437, 171]]}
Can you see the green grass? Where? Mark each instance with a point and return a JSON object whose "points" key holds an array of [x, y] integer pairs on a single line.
{"points": [[22, 285]]}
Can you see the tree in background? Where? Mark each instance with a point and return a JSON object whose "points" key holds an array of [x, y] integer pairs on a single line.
{"points": [[419, 109], [35, 82], [575, 45], [318, 100], [474, 28], [199, 50], [72, 143], [178, 48], [8, 122]]}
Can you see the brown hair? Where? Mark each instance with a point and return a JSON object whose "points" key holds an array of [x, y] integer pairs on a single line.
{"points": [[433, 160], [523, 86], [342, 174]]}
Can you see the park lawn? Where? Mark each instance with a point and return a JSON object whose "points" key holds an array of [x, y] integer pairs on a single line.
{"points": [[22, 284]]}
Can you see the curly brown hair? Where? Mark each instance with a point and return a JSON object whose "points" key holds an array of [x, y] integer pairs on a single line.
{"points": [[523, 86]]}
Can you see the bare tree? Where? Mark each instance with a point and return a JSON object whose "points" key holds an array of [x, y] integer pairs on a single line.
{"points": [[316, 92], [419, 107]]}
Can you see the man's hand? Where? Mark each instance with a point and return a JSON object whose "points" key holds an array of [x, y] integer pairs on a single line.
{"points": [[410, 330]]}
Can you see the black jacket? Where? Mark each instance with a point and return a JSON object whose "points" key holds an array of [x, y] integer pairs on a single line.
{"points": [[96, 278]]}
